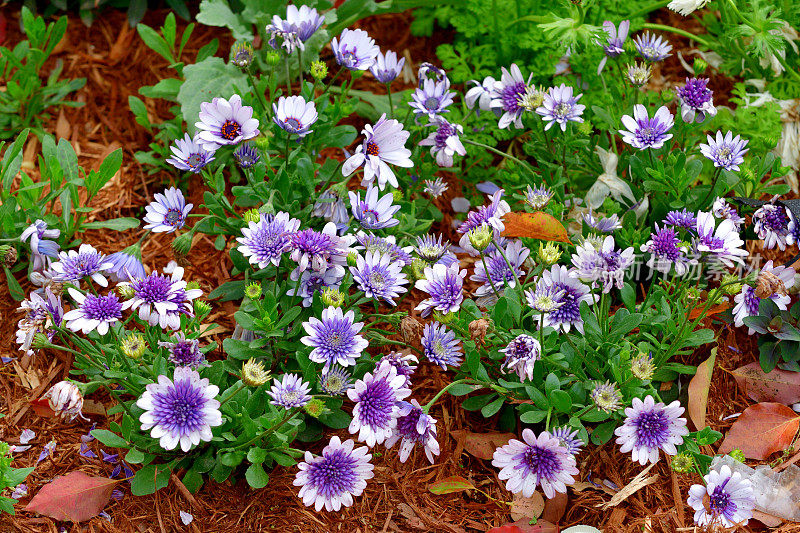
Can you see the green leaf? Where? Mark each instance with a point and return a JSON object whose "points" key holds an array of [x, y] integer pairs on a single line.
{"points": [[533, 417], [492, 408], [211, 78], [109, 438], [603, 432], [450, 485], [12, 160], [155, 42], [218, 13], [256, 476], [337, 419], [257, 455], [561, 400], [117, 224], [135, 456], [110, 166], [13, 285], [150, 479]]}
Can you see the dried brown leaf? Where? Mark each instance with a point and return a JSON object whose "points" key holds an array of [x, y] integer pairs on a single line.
{"points": [[777, 386], [482, 445], [75, 497], [698, 391], [530, 508], [641, 480], [761, 430]]}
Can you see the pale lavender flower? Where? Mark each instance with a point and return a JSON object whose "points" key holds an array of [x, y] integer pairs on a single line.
{"points": [[305, 21], [161, 299], [414, 427], [246, 155], [42, 248], [539, 197], [773, 225], [294, 115], [188, 154], [722, 209], [652, 47], [441, 346], [93, 312], [496, 274], [319, 250], [374, 212], [432, 98], [644, 132], [697, 100], [433, 250], [521, 356], [445, 142], [20, 491], [181, 410], [387, 68], [726, 500], [569, 439], [614, 42], [223, 122], [330, 206], [606, 396], [168, 212], [355, 49], [602, 263], [404, 362], [184, 352], [747, 302], [481, 94], [650, 427], [435, 187], [314, 281], [290, 392], [725, 151], [560, 106], [376, 396], [127, 264], [682, 219], [384, 143], [428, 71], [332, 479], [335, 381], [287, 32], [265, 241], [574, 293], [491, 214], [545, 298], [720, 242], [42, 312], [506, 96], [666, 252], [379, 277], [384, 245], [445, 286], [86, 262], [535, 461], [47, 450], [602, 224], [335, 339]]}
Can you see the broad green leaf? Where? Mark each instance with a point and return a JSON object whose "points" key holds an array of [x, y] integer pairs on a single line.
{"points": [[211, 78]]}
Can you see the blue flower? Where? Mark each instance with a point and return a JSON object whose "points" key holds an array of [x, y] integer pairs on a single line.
{"points": [[644, 132], [188, 154], [561, 106], [379, 277], [168, 212], [445, 286], [441, 346], [387, 68], [432, 98], [725, 151], [374, 212], [375, 412], [652, 47], [335, 339], [355, 50], [649, 427], [294, 115]]}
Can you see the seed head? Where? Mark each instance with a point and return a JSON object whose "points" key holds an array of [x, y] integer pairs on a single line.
{"points": [[254, 374]]}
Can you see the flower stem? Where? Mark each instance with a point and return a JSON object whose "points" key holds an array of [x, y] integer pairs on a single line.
{"points": [[678, 31], [447, 387], [389, 96], [500, 153], [300, 70]]}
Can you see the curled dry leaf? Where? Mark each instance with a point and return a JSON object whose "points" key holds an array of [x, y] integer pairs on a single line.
{"points": [[75, 497], [761, 430], [530, 508], [777, 386], [482, 445], [450, 485], [536, 225], [698, 391]]}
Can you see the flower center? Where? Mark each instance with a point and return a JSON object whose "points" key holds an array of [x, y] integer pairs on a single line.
{"points": [[173, 217], [720, 502], [431, 103], [292, 124], [373, 149], [652, 429], [562, 110], [194, 160], [377, 279], [541, 461], [230, 129]]}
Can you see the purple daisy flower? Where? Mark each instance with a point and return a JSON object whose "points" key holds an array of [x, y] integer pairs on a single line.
{"points": [[666, 252], [445, 142], [404, 362], [491, 214], [569, 439], [304, 20], [384, 143], [428, 71], [335, 338], [495, 275], [560, 107], [86, 262], [602, 263], [161, 299], [681, 219], [42, 248], [644, 132], [414, 427], [539, 197], [94, 312], [773, 225], [431, 249], [374, 212], [185, 352], [481, 94], [319, 250], [602, 224], [535, 461], [432, 98], [188, 154], [287, 32], [506, 96], [384, 245], [294, 115], [266, 241], [435, 187], [747, 302], [126, 264], [574, 292], [314, 281], [545, 298], [720, 242], [445, 287], [332, 479], [722, 209], [726, 500], [521, 356], [376, 410], [650, 427], [379, 277], [725, 151], [290, 392], [224, 122], [42, 312], [246, 156], [441, 346], [181, 410], [355, 50], [615, 41], [330, 206], [168, 212], [697, 100], [335, 381], [652, 47], [387, 68]]}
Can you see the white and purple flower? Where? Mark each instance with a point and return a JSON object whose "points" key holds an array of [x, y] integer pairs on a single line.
{"points": [[376, 397], [697, 100], [445, 142], [774, 226], [615, 41], [42, 248], [387, 67], [650, 427], [335, 339], [603, 263], [747, 302], [93, 312], [385, 143], [127, 264], [481, 94], [225, 122], [725, 151], [319, 250], [720, 242], [384, 245], [652, 47], [432, 98], [506, 96], [722, 209], [265, 241], [294, 115], [404, 362], [573, 293], [644, 132], [521, 356], [184, 352], [379, 276], [414, 427], [290, 392], [666, 252], [726, 500], [374, 212], [560, 106], [494, 273], [355, 50], [167, 212], [188, 154], [569, 439], [86, 262], [441, 346], [445, 287], [161, 299], [435, 187]]}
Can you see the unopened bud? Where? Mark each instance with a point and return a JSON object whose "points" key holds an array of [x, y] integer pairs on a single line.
{"points": [[585, 127], [682, 463], [254, 374], [253, 290], [418, 268], [66, 400], [444, 318], [548, 254], [397, 195], [262, 142], [667, 96], [737, 455], [352, 259], [125, 291], [133, 345], [242, 55], [40, 341], [315, 408], [332, 297], [201, 309], [642, 366], [481, 237], [318, 70], [731, 284], [700, 66], [251, 215], [182, 244], [8, 255], [273, 58]]}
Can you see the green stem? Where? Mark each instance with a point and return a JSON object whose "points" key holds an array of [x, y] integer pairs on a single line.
{"points": [[286, 151], [300, 70], [389, 95], [288, 76], [713, 186], [513, 270], [273, 429], [328, 86], [501, 153], [677, 31], [491, 282], [447, 387], [261, 99], [234, 393]]}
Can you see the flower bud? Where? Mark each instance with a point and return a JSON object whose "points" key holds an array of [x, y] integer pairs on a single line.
{"points": [[444, 318], [700, 66], [273, 58], [667, 96], [733, 288], [642, 366], [397, 195], [332, 297], [262, 142], [182, 244], [40, 341], [352, 259], [737, 455], [682, 463], [125, 291], [638, 74], [481, 237], [251, 215], [253, 290], [548, 254], [319, 70], [418, 268], [254, 374], [201, 309], [585, 127], [242, 55], [411, 329], [315, 407], [66, 400], [8, 255], [192, 285], [133, 345]]}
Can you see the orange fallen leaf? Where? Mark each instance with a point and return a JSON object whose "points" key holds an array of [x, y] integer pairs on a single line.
{"points": [[761, 430], [698, 391], [713, 310], [778, 385], [41, 407], [75, 497], [536, 225], [450, 485]]}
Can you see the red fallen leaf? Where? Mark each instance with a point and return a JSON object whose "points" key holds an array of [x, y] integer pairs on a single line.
{"points": [[761, 430], [2, 28], [482, 445], [698, 391], [522, 526], [779, 385], [536, 225], [42, 408], [713, 310], [75, 497], [450, 485]]}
